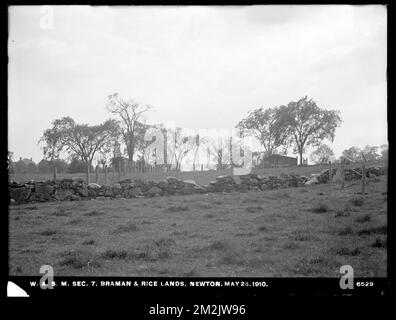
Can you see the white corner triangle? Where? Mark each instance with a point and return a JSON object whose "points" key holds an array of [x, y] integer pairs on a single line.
{"points": [[14, 291]]}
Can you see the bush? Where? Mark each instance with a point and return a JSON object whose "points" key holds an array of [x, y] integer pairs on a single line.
{"points": [[364, 218], [321, 208], [358, 201]]}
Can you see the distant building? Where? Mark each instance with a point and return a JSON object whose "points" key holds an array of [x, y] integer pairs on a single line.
{"points": [[27, 161], [277, 160]]}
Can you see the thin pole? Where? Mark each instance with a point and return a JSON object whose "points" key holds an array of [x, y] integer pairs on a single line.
{"points": [[55, 169], [330, 172], [342, 173], [96, 174]]}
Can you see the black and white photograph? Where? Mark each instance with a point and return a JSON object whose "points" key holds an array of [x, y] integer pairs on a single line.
{"points": [[197, 142]]}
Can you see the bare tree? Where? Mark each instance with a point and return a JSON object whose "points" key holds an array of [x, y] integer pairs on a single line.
{"points": [[220, 152], [198, 141], [180, 146], [130, 113]]}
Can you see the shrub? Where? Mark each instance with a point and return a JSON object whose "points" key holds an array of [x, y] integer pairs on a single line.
{"points": [[345, 231], [165, 242], [357, 201], [290, 245], [218, 245], [253, 209], [89, 242], [177, 208], [342, 213], [321, 208], [93, 213], [380, 243], [48, 232], [374, 230], [74, 259], [114, 254], [364, 218], [126, 228], [348, 252]]}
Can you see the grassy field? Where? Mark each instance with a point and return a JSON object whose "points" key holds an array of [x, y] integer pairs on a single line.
{"points": [[298, 232], [200, 177]]}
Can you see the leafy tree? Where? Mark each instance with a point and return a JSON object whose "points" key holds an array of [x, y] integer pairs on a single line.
{"points": [[78, 140], [31, 167], [353, 154], [44, 166], [371, 153], [307, 124], [267, 126], [384, 152], [25, 166], [20, 166], [61, 165], [77, 166], [130, 113], [323, 154]]}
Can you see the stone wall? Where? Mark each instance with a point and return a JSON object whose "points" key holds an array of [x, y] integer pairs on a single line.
{"points": [[77, 189]]}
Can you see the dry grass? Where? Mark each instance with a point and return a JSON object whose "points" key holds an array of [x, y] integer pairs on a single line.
{"points": [[254, 234]]}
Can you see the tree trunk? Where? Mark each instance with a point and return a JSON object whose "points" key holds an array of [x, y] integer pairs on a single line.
{"points": [[105, 174], [88, 165], [301, 157]]}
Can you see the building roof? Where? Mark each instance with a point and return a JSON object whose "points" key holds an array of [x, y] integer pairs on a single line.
{"points": [[279, 156]]}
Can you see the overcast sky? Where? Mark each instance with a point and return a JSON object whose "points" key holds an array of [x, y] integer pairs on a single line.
{"points": [[200, 67]]}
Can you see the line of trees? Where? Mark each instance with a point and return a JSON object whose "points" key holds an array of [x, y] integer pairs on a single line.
{"points": [[297, 125], [324, 154], [23, 166]]}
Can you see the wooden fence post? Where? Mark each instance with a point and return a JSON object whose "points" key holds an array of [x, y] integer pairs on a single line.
{"points": [[330, 172], [55, 170], [363, 177], [342, 173], [96, 174], [363, 173]]}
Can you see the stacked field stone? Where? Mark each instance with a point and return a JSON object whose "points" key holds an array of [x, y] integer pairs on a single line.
{"points": [[223, 184], [76, 188]]}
